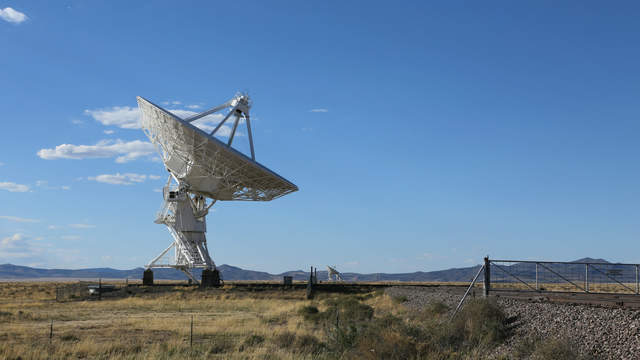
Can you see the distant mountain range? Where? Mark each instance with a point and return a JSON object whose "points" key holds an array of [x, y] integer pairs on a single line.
{"points": [[228, 272]]}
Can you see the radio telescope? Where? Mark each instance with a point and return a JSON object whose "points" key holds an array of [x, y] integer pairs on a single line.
{"points": [[203, 170], [334, 275]]}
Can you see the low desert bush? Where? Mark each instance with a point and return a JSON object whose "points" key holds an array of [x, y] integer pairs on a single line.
{"points": [[400, 299], [221, 344], [536, 348], [253, 340], [69, 337], [480, 323], [303, 344], [311, 313]]}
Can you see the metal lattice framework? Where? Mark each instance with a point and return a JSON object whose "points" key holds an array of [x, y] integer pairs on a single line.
{"points": [[200, 167]]}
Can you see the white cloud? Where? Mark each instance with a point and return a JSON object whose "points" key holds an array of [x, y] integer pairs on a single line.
{"points": [[129, 118], [53, 227], [77, 122], [158, 190], [13, 187], [22, 247], [127, 151], [108, 132], [45, 185], [12, 16], [82, 226], [154, 177], [119, 179], [176, 102], [1, 164], [121, 116], [13, 243], [70, 237], [319, 110], [193, 106], [19, 219], [17, 246]]}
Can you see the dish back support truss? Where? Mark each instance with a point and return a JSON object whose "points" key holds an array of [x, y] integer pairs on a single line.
{"points": [[211, 167]]}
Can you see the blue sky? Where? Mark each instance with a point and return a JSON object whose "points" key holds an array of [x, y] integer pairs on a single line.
{"points": [[422, 135]]}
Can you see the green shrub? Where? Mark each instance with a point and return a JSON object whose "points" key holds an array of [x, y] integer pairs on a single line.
{"points": [[437, 308], [69, 337], [555, 349], [400, 299], [304, 344], [284, 339], [310, 313], [480, 323], [308, 344], [253, 340], [348, 309], [221, 344], [525, 347], [5, 316], [280, 319]]}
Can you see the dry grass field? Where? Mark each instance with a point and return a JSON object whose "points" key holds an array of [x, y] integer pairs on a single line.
{"points": [[238, 322], [154, 323]]}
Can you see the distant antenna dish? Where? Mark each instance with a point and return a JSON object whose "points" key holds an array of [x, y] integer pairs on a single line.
{"points": [[200, 167], [334, 275]]}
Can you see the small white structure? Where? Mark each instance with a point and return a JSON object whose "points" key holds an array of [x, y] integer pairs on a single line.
{"points": [[334, 275]]}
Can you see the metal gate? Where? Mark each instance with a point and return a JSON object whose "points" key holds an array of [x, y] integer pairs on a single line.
{"points": [[550, 276]]}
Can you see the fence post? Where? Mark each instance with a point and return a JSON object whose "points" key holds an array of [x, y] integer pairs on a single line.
{"points": [[537, 285], [51, 332], [191, 336], [487, 277], [637, 284], [586, 277], [100, 289], [310, 285]]}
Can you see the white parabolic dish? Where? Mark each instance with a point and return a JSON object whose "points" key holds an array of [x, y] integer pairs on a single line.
{"points": [[206, 165]]}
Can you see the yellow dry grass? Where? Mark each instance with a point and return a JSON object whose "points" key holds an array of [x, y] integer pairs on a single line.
{"points": [[152, 325]]}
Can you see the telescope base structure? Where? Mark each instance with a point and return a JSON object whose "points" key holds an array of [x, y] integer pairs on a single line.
{"points": [[210, 278], [147, 277], [184, 215]]}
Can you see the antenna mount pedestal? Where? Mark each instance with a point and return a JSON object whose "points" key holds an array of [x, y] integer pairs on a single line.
{"points": [[184, 213]]}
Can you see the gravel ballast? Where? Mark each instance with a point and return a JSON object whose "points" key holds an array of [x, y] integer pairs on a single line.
{"points": [[604, 333]]}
